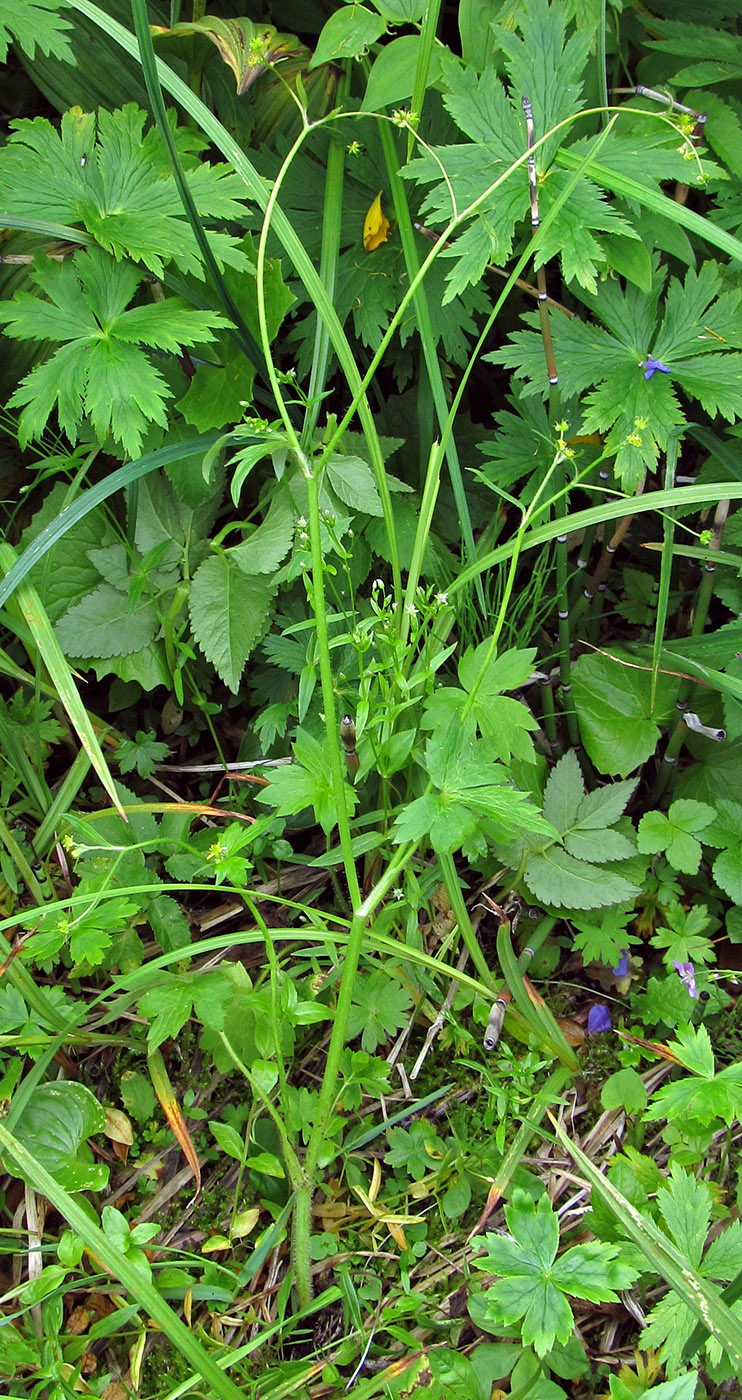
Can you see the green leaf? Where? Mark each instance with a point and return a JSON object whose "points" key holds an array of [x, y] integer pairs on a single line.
{"points": [[380, 1008], [118, 184], [54, 1127], [685, 1205], [229, 614], [35, 24], [268, 545], [564, 792], [307, 783], [534, 1281], [672, 833], [169, 1004], [99, 370], [105, 624], [392, 76], [555, 877], [727, 871], [353, 481], [228, 1139], [614, 708], [626, 1090], [606, 940], [168, 923], [142, 753], [593, 1271], [137, 1095], [347, 34], [692, 1045]]}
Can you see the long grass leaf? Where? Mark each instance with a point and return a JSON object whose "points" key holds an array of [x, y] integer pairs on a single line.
{"points": [[113, 1259], [701, 1297], [659, 203], [68, 517], [60, 674]]}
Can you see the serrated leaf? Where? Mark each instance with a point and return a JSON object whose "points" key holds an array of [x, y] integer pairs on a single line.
{"points": [[229, 613], [99, 369], [120, 187], [269, 544], [555, 877], [564, 792], [104, 624], [35, 24], [685, 1206], [353, 481], [307, 783]]}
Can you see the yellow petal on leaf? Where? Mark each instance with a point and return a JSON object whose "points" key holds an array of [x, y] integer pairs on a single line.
{"points": [[376, 226]]}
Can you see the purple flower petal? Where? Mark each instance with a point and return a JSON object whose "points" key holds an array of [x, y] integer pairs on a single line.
{"points": [[598, 1019], [623, 965], [687, 974], [650, 365]]}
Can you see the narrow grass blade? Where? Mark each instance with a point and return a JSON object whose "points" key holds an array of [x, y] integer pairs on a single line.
{"points": [[659, 203], [136, 1284], [171, 1108], [702, 1297], [60, 674], [92, 498]]}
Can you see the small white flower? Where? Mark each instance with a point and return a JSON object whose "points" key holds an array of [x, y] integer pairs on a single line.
{"points": [[441, 598], [301, 522], [411, 610], [377, 583], [397, 892]]}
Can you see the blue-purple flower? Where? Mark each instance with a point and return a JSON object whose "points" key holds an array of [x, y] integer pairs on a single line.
{"points": [[622, 970], [687, 974], [650, 365], [598, 1019]]}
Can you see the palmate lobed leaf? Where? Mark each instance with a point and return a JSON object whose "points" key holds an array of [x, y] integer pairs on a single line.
{"points": [[117, 182], [99, 369], [534, 1280], [35, 24], [637, 414]]}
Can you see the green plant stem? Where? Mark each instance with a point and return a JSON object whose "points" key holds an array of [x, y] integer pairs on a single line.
{"points": [[548, 715], [703, 601], [302, 1222], [427, 339], [666, 564], [328, 271], [293, 1165], [275, 991], [428, 32]]}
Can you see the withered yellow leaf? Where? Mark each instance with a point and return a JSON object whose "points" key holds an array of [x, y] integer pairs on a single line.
{"points": [[376, 226]]}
